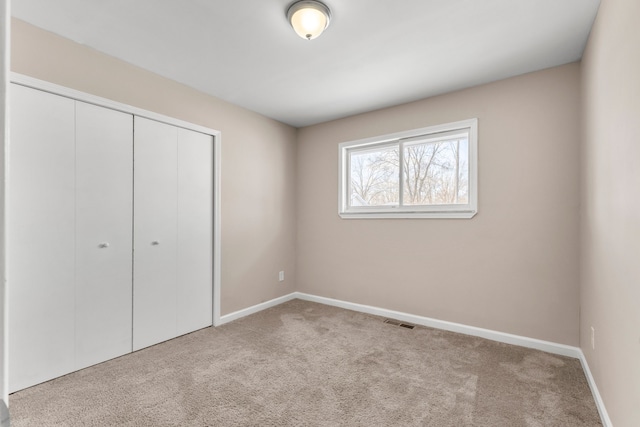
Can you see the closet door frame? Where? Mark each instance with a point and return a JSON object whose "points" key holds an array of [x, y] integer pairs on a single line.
{"points": [[42, 85]]}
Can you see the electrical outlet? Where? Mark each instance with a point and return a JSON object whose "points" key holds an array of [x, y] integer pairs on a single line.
{"points": [[593, 338], [281, 276]]}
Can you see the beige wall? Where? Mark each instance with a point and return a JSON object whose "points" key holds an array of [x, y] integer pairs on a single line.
{"points": [[258, 156], [610, 267], [513, 267]]}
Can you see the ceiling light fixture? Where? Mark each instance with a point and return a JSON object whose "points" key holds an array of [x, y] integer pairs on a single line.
{"points": [[309, 18]]}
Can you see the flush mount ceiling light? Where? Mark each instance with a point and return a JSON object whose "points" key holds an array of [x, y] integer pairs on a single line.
{"points": [[309, 18]]}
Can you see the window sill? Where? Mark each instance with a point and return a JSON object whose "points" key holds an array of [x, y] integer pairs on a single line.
{"points": [[408, 215]]}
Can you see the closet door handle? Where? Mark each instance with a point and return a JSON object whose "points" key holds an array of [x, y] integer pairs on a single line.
{"points": [[103, 245], [155, 243]]}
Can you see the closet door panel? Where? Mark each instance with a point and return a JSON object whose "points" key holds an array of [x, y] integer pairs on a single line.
{"points": [[41, 237], [195, 235], [155, 232], [104, 207]]}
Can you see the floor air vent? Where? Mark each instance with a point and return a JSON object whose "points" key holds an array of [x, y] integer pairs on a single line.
{"points": [[399, 323]]}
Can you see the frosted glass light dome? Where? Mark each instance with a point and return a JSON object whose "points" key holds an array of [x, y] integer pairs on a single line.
{"points": [[309, 18]]}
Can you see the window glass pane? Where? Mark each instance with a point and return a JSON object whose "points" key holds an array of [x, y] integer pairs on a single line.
{"points": [[436, 173], [374, 177]]}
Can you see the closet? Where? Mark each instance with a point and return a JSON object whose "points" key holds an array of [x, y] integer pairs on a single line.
{"points": [[109, 234]]}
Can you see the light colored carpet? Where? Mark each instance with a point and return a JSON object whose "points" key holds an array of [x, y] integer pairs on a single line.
{"points": [[306, 364]]}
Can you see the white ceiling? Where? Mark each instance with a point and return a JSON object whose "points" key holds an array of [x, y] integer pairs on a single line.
{"points": [[375, 53]]}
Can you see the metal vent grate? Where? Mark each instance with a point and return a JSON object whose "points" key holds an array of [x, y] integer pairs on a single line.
{"points": [[399, 323]]}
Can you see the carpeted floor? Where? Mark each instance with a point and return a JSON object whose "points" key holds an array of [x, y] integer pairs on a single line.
{"points": [[306, 364]]}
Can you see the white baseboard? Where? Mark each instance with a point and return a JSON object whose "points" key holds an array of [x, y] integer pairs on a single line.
{"points": [[604, 415], [549, 347], [254, 309]]}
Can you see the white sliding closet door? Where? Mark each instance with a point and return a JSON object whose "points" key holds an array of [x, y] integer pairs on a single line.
{"points": [[195, 234], [104, 199], [155, 232], [41, 237]]}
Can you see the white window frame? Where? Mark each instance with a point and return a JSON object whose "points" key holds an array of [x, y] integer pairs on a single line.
{"points": [[423, 211]]}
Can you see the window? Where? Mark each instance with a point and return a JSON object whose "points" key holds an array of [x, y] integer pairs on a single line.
{"points": [[423, 173]]}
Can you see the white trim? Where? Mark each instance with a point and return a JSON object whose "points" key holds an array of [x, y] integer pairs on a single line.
{"points": [[217, 226], [403, 214], [466, 211], [55, 89], [256, 308], [549, 347], [5, 43], [602, 410]]}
